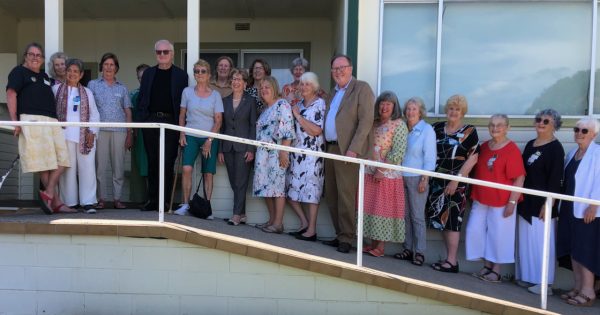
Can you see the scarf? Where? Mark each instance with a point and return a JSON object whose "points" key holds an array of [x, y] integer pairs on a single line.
{"points": [[62, 96]]}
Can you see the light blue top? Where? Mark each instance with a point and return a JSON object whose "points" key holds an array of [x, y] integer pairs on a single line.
{"points": [[330, 131], [111, 101], [421, 151], [200, 111]]}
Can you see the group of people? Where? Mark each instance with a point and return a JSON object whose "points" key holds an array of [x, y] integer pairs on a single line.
{"points": [[350, 121]]}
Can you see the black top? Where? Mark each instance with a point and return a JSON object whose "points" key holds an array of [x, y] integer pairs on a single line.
{"points": [[34, 92], [160, 97], [544, 168]]}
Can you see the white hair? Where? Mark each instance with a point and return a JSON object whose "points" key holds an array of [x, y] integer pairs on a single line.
{"points": [[164, 41], [589, 122], [312, 79]]}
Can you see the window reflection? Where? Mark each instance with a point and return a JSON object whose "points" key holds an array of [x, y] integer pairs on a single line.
{"points": [[517, 57]]}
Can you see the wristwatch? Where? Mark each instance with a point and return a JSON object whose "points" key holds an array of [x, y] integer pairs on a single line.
{"points": [[512, 202]]}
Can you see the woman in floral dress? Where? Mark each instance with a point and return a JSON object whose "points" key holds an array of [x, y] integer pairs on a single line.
{"points": [[384, 188], [305, 177], [275, 125], [457, 150]]}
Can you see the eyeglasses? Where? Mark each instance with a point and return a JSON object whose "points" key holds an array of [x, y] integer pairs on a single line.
{"points": [[496, 126], [583, 130], [202, 71], [540, 120], [340, 68], [163, 52], [258, 68], [35, 56]]}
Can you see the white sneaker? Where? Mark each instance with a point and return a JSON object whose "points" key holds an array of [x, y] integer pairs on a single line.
{"points": [[537, 289], [91, 211], [183, 209]]}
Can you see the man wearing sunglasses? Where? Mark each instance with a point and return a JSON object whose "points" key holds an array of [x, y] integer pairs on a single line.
{"points": [[158, 101]]}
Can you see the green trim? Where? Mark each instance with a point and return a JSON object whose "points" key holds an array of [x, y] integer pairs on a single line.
{"points": [[352, 36]]}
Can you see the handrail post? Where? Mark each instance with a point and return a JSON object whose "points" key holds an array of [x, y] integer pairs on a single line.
{"points": [[161, 176], [546, 252], [361, 197]]}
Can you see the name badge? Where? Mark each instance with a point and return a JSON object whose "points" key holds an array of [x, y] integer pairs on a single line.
{"points": [[117, 95], [77, 99], [46, 82], [460, 135]]}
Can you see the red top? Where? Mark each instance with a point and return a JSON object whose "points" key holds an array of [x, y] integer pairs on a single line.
{"points": [[501, 166]]}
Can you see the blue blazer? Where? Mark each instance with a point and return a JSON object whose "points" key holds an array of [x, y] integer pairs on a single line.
{"points": [[179, 81]]}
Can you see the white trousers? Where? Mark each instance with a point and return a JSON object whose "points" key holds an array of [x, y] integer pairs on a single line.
{"points": [[111, 151], [490, 235], [531, 246], [82, 191]]}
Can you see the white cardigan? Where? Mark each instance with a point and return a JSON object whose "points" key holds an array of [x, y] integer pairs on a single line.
{"points": [[587, 178]]}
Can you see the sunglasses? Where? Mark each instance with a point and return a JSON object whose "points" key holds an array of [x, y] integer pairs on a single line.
{"points": [[544, 121], [163, 52], [583, 130], [202, 71]]}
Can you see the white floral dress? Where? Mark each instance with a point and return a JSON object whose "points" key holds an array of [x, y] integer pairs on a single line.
{"points": [[305, 176], [274, 125]]}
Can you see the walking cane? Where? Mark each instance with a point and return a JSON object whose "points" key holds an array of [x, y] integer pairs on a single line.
{"points": [[12, 166], [175, 179]]}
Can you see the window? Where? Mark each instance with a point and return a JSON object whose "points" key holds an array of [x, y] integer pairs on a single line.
{"points": [[409, 51]]}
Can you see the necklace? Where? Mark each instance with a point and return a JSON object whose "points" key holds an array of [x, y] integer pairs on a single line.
{"points": [[497, 145]]}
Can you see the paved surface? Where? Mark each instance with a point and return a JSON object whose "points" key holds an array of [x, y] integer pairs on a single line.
{"points": [[462, 281]]}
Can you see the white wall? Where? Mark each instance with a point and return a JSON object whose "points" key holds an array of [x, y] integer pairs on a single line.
{"points": [[368, 42], [54, 274], [133, 40]]}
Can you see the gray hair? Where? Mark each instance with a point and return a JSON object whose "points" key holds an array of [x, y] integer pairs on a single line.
{"points": [[552, 113], [164, 41], [299, 62], [312, 79], [56, 55], [388, 96], [75, 62], [589, 122], [419, 102], [501, 116]]}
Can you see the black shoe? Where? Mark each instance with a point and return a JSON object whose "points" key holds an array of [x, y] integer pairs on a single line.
{"points": [[333, 243], [344, 247], [299, 232], [88, 207], [312, 238], [150, 206]]}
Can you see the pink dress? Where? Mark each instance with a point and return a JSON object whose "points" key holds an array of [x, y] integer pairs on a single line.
{"points": [[384, 200]]}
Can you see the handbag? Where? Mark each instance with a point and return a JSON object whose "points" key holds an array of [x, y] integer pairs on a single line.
{"points": [[200, 206]]}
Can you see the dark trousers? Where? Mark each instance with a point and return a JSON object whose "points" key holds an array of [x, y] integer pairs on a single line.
{"points": [[341, 187], [238, 171], [152, 144]]}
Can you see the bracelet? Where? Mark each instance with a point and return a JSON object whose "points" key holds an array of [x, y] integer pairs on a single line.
{"points": [[209, 139], [512, 202]]}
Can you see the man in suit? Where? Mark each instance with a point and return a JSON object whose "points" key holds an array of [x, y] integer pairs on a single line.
{"points": [[348, 122], [158, 101]]}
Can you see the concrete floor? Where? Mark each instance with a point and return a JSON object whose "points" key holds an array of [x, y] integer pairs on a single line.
{"points": [[462, 281]]}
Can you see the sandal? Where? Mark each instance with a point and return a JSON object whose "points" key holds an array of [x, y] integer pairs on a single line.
{"points": [[581, 300], [273, 229], [376, 252], [263, 225], [235, 220], [482, 272], [119, 205], [45, 202], [60, 209], [406, 254], [569, 295], [243, 219], [439, 266], [418, 259], [367, 248], [100, 204], [486, 277]]}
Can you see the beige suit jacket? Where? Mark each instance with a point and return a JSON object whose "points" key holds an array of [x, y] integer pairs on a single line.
{"points": [[354, 119]]}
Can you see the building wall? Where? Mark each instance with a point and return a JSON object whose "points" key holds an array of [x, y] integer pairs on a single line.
{"points": [[133, 40], [8, 38], [47, 274]]}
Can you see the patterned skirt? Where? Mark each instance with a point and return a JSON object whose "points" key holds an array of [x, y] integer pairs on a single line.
{"points": [[384, 209]]}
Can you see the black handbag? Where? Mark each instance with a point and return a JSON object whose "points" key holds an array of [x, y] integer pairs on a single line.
{"points": [[200, 207]]}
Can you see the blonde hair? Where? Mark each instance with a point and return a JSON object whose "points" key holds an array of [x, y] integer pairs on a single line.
{"points": [[457, 101], [274, 85], [203, 63]]}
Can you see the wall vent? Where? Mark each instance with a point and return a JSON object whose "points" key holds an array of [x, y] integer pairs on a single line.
{"points": [[242, 26]]}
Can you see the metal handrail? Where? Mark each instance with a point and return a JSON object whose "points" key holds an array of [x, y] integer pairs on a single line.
{"points": [[362, 163]]}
